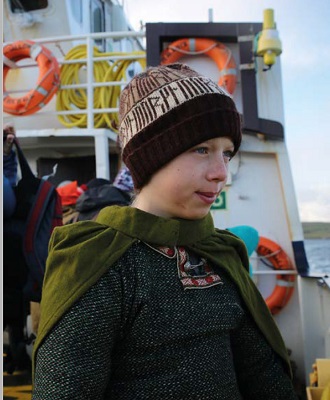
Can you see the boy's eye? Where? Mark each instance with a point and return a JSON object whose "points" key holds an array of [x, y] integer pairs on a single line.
{"points": [[229, 154], [201, 150]]}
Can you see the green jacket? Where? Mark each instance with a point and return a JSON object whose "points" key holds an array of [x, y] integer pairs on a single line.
{"points": [[80, 253]]}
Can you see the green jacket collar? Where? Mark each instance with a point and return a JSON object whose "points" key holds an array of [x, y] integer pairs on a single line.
{"points": [[156, 230]]}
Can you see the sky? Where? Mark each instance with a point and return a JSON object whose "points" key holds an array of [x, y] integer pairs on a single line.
{"points": [[304, 29]]}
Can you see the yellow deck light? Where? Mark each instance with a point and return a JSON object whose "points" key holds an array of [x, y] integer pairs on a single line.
{"points": [[269, 44]]}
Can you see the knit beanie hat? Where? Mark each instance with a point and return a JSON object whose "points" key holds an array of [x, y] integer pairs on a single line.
{"points": [[165, 111]]}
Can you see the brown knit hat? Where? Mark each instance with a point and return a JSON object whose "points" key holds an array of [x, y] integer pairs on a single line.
{"points": [[167, 110]]}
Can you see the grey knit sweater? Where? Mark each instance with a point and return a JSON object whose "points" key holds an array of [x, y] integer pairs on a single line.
{"points": [[144, 332]]}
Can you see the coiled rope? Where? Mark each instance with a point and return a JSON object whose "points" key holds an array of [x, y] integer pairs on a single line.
{"points": [[73, 99]]}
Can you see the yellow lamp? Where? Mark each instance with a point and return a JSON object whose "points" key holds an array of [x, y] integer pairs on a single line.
{"points": [[269, 44]]}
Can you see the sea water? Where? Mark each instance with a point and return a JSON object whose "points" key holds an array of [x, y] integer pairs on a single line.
{"points": [[318, 255]]}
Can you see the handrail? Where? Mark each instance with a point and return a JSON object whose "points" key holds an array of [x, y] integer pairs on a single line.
{"points": [[276, 272], [82, 60], [98, 35]]}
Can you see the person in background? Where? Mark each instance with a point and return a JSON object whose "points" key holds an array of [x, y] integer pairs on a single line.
{"points": [[101, 193], [9, 171], [124, 181], [151, 301], [13, 274], [94, 195]]}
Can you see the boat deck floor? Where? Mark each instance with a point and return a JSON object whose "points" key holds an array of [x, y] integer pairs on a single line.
{"points": [[17, 386]]}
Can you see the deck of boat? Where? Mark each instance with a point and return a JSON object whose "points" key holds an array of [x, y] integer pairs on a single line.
{"points": [[17, 386]]}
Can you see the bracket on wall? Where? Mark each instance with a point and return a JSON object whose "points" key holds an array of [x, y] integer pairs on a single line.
{"points": [[159, 33]]}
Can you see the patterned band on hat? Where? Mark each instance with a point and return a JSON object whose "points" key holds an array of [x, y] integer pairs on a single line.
{"points": [[162, 100]]}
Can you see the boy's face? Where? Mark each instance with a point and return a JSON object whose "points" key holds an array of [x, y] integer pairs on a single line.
{"points": [[188, 185]]}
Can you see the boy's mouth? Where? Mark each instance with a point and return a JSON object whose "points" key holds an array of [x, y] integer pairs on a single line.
{"points": [[207, 197]]}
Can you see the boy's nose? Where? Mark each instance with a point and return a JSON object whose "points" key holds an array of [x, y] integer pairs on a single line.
{"points": [[218, 170]]}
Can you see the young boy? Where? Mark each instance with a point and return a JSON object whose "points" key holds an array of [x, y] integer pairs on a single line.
{"points": [[151, 301]]}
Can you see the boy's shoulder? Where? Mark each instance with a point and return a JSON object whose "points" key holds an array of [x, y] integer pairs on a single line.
{"points": [[77, 234], [86, 239]]}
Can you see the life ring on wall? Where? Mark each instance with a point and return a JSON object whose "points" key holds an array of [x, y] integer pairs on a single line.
{"points": [[219, 53], [284, 283], [48, 80]]}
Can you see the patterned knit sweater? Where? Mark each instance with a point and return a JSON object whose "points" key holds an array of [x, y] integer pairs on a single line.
{"points": [[153, 327]]}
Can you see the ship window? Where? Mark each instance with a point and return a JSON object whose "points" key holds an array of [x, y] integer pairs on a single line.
{"points": [[97, 20], [76, 9], [21, 6]]}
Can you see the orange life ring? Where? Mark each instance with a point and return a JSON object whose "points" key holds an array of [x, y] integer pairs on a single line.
{"points": [[48, 79], [219, 53], [284, 283]]}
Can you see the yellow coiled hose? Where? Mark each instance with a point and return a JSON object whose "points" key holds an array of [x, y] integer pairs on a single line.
{"points": [[104, 97]]}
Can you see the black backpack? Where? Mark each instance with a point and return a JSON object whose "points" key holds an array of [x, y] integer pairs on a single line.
{"points": [[26, 234], [25, 248]]}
